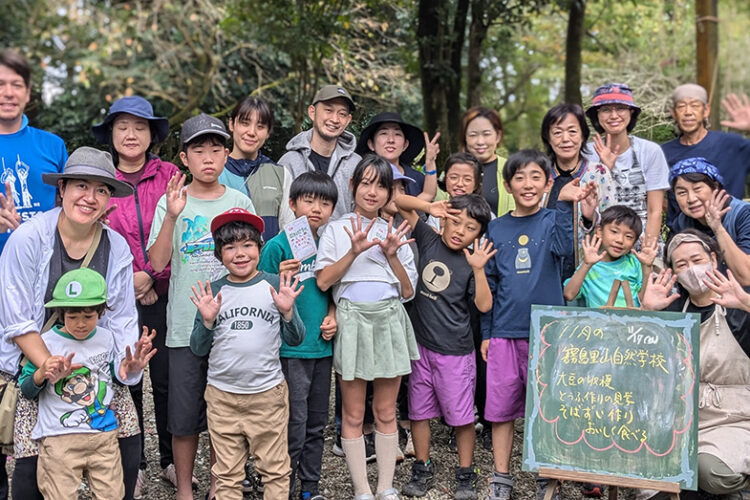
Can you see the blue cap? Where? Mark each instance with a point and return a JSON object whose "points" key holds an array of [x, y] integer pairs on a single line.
{"points": [[136, 106], [695, 166], [397, 175]]}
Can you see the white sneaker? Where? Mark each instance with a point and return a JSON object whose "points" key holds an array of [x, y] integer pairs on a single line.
{"points": [[140, 484]]}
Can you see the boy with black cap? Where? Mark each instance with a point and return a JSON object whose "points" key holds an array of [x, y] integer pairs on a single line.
{"points": [[327, 146], [180, 235], [240, 326]]}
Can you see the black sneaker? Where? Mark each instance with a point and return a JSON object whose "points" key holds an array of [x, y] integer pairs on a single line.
{"points": [[370, 447], [259, 488], [422, 479], [466, 483], [248, 484], [501, 487]]}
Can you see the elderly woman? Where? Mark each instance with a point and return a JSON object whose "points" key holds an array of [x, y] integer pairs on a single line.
{"points": [[131, 130], [704, 205], [724, 392], [37, 254]]}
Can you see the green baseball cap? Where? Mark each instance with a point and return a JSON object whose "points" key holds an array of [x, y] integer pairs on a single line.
{"points": [[79, 288]]}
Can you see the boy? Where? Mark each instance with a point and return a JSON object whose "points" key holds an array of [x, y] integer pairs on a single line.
{"points": [[616, 235], [180, 235], [530, 243], [443, 380], [77, 429], [246, 395], [307, 367]]}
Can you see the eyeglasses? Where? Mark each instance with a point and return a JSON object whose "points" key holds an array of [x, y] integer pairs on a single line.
{"points": [[608, 110]]}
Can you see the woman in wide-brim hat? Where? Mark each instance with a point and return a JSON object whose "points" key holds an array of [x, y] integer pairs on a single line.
{"points": [[631, 171], [131, 130], [389, 136], [37, 254]]}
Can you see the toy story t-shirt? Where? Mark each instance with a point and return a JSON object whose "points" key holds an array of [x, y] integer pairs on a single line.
{"points": [[192, 256]]}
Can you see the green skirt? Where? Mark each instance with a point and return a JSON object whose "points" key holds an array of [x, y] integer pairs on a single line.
{"points": [[374, 340]]}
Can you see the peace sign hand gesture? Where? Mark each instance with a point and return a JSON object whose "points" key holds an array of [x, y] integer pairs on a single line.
{"points": [[431, 150]]}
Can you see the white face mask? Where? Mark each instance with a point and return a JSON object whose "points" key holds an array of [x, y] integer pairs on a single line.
{"points": [[692, 278]]}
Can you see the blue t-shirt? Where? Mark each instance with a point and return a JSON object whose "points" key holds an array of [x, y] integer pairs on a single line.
{"points": [[598, 281], [526, 269], [730, 153], [24, 157]]}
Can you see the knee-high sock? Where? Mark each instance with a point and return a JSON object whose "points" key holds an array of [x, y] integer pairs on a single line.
{"points": [[386, 450], [355, 460]]}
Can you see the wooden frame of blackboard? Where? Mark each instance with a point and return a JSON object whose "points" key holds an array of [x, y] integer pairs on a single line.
{"points": [[613, 481]]}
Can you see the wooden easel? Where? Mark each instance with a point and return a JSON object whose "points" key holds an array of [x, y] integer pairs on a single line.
{"points": [[611, 480], [614, 482]]}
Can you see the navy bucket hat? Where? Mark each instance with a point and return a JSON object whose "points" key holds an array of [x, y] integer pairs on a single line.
{"points": [[136, 106]]}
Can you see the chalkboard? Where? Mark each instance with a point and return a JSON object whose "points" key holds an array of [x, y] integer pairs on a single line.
{"points": [[613, 391]]}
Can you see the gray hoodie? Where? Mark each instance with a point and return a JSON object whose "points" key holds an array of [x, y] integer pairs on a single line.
{"points": [[344, 159]]}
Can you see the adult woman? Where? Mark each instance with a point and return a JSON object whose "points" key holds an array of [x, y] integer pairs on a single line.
{"points": [[704, 205], [724, 392], [389, 136], [130, 129], [249, 171], [636, 173], [36, 255], [564, 134], [481, 134]]}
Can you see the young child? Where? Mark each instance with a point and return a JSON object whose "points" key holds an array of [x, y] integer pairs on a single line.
{"points": [[307, 367], [239, 326], [530, 242], [180, 235], [371, 270], [462, 175], [443, 380], [619, 229], [76, 428]]}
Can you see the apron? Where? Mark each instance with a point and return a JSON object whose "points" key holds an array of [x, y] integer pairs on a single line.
{"points": [[724, 394]]}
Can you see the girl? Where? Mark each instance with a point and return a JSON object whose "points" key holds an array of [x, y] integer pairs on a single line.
{"points": [[371, 270], [463, 175]]}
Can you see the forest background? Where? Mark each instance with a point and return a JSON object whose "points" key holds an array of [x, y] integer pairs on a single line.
{"points": [[428, 59]]}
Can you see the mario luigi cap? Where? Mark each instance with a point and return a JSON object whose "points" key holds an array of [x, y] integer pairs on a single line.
{"points": [[237, 214], [79, 288]]}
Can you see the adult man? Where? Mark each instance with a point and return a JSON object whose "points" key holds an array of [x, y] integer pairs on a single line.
{"points": [[25, 152], [730, 153], [327, 147]]}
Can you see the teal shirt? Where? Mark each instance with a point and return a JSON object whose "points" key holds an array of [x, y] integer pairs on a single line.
{"points": [[312, 303], [598, 282]]}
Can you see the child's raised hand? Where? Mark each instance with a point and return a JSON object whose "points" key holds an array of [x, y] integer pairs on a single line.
{"points": [[290, 266], [658, 294], [481, 254], [716, 208], [607, 154], [442, 210], [137, 361], [360, 243], [328, 327], [288, 292], [176, 194], [649, 249], [59, 367], [203, 298], [590, 246], [394, 240]]}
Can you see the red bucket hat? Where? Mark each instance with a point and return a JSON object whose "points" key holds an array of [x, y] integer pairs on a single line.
{"points": [[612, 93]]}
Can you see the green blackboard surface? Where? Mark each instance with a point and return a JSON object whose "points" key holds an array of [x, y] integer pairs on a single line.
{"points": [[613, 391]]}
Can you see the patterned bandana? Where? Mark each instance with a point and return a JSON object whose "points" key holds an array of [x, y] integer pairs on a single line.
{"points": [[695, 166]]}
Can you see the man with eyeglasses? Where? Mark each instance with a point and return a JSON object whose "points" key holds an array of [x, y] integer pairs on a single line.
{"points": [[729, 153], [327, 146]]}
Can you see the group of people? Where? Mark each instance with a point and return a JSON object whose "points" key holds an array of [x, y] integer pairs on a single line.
{"points": [[416, 296]]}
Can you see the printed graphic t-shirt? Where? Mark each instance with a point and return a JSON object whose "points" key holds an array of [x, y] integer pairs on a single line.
{"points": [[192, 256], [598, 281]]}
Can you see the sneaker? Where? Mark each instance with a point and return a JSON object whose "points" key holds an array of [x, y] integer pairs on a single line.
{"points": [[541, 489], [591, 490], [389, 494], [310, 491], [422, 479], [452, 440], [487, 438], [248, 484], [409, 448], [140, 484], [466, 483], [259, 488], [501, 487], [169, 474], [337, 449], [370, 447]]}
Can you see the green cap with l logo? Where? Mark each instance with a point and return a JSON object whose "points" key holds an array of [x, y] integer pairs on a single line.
{"points": [[79, 288]]}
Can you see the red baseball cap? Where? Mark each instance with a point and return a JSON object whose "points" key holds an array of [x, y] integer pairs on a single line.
{"points": [[237, 214]]}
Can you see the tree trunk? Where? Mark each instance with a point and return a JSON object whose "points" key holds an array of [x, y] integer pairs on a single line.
{"points": [[707, 53], [477, 34], [573, 47]]}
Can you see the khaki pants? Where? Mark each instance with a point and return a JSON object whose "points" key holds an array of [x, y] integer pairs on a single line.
{"points": [[239, 423], [63, 460]]}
